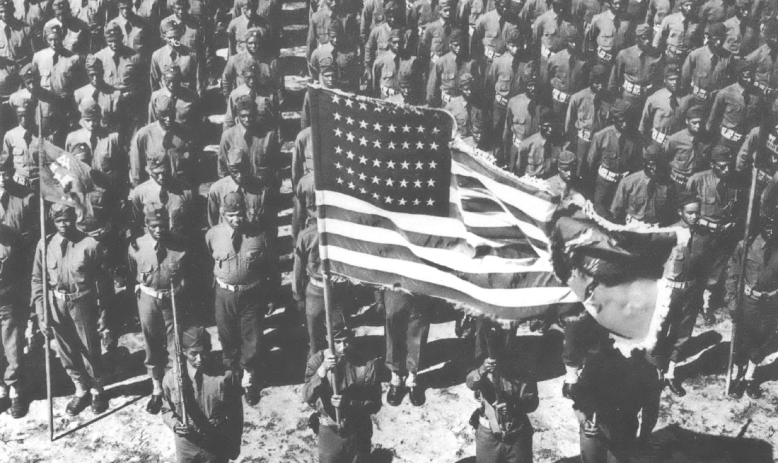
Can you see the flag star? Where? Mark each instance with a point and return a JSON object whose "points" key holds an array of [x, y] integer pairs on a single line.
{"points": [[392, 145], [433, 164], [350, 136], [375, 196], [338, 165], [420, 129], [362, 124], [389, 182], [350, 155], [435, 130], [392, 128], [376, 163], [376, 144], [363, 106], [416, 202], [419, 145], [349, 121], [431, 182], [404, 183], [338, 133], [430, 202], [350, 171], [390, 164], [362, 190], [376, 179], [340, 181], [349, 103], [351, 185], [362, 176], [377, 108], [377, 127], [419, 165], [363, 141], [433, 145], [406, 164], [406, 128], [388, 200], [406, 145], [402, 201], [335, 99], [362, 160], [337, 116], [417, 183], [338, 149]]}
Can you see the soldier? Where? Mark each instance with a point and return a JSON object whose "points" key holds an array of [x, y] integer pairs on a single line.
{"points": [[470, 115], [681, 32], [271, 79], [587, 114], [687, 149], [531, 10], [716, 11], [736, 108], [614, 153], [137, 31], [538, 154], [195, 34], [567, 183], [443, 83], [245, 278], [188, 107], [122, 66], [585, 11], [214, 425], [637, 71], [13, 309], [19, 206], [411, 92], [19, 145], [171, 192], [398, 59], [75, 32], [113, 103], [252, 88], [103, 145], [192, 64], [488, 36], [764, 58], [568, 70], [610, 32], [503, 79], [521, 117], [94, 14], [377, 43], [158, 261], [302, 165], [547, 31], [682, 278], [436, 41], [756, 314], [720, 222], [707, 69], [151, 11], [16, 51], [358, 397], [246, 20], [647, 197], [742, 35], [664, 111], [420, 13], [33, 13], [344, 53], [256, 134], [342, 11], [81, 287], [166, 135], [656, 12], [507, 394], [374, 15], [765, 156]]}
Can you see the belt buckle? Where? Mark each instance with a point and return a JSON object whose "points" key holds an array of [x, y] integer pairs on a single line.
{"points": [[516, 141], [585, 134], [489, 53], [501, 100], [700, 92], [772, 145], [658, 136], [604, 54]]}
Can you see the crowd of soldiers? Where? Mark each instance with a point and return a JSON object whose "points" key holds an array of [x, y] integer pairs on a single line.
{"points": [[653, 110]]}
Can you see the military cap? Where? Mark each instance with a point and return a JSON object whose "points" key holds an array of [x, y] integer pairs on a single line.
{"points": [[7, 163], [716, 29], [89, 109], [458, 35], [82, 152], [94, 64], [29, 71], [695, 112], [234, 202], [25, 106], [653, 152], [770, 28], [391, 4], [326, 65], [52, 27], [172, 70], [530, 72], [170, 26], [237, 157], [547, 116], [684, 2], [125, 2], [768, 204], [395, 33], [340, 327], [251, 68], [61, 210], [598, 73], [672, 70], [620, 108], [6, 5], [687, 197], [158, 160], [196, 337], [570, 33], [567, 158], [642, 30], [162, 105], [744, 65], [743, 3], [466, 80], [113, 31], [155, 212], [513, 35], [245, 102], [720, 153], [406, 77], [180, 2], [257, 32]]}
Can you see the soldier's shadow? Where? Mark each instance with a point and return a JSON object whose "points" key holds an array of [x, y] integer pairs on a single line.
{"points": [[712, 361]]}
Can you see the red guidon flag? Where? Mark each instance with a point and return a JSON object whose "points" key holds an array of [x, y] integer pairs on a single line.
{"points": [[64, 179]]}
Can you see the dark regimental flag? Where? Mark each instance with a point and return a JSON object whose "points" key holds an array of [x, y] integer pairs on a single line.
{"points": [[400, 205], [64, 179]]}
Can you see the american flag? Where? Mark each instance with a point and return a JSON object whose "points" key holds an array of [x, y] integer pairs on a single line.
{"points": [[402, 206]]}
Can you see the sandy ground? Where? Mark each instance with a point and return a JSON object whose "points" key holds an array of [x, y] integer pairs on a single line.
{"points": [[704, 421]]}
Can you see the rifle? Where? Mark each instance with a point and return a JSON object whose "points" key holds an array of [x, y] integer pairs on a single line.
{"points": [[179, 354]]}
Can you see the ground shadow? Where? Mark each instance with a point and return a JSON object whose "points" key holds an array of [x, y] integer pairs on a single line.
{"points": [[466, 460], [712, 362], [457, 354], [382, 456], [674, 444], [767, 373]]}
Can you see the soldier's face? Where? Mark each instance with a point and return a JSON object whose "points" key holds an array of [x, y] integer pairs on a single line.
{"points": [[395, 44], [26, 120], [566, 171], [643, 42], [333, 37], [690, 213], [245, 116], [166, 119], [125, 10], [772, 42], [234, 219], [343, 347], [722, 169], [82, 154], [392, 15], [251, 80], [768, 228], [547, 129], [239, 174], [620, 122], [651, 168], [54, 41], [5, 178], [65, 225], [617, 5], [499, 5], [560, 6], [61, 9], [172, 82], [157, 228], [160, 174], [91, 124], [596, 86], [694, 125], [114, 43], [95, 78], [741, 12], [195, 356], [248, 10], [179, 10], [5, 13], [467, 92], [714, 41], [445, 11], [327, 79], [457, 48], [689, 9], [671, 83], [252, 45]]}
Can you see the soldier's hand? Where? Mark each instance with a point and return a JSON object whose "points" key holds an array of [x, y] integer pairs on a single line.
{"points": [[271, 307], [488, 366], [590, 429], [300, 306], [502, 409], [338, 401], [328, 364], [182, 429]]}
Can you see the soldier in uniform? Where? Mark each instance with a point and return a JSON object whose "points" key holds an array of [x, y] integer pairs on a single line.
{"points": [[102, 144], [246, 20], [75, 32], [488, 36], [80, 288], [614, 153], [192, 64], [377, 42], [708, 68], [13, 312], [756, 315], [687, 148], [112, 101], [665, 110], [214, 425], [742, 34], [587, 114], [271, 79], [302, 165], [568, 70], [610, 32], [15, 52], [188, 106], [252, 88], [547, 30], [33, 13], [137, 32], [245, 277], [399, 59], [507, 393], [375, 14], [647, 197], [470, 115], [522, 116], [20, 143], [443, 82], [256, 134], [344, 53], [166, 135], [567, 183], [19, 206], [158, 261], [720, 223], [538, 154], [765, 156], [680, 32], [358, 397], [343, 11], [764, 58], [737, 108], [196, 32], [637, 71], [411, 91], [436, 40]]}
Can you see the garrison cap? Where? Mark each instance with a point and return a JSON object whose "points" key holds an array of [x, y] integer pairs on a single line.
{"points": [[52, 27], [251, 68], [196, 337], [26, 106], [94, 64], [162, 105], [237, 157], [567, 158], [113, 31], [531, 72], [687, 197], [245, 102], [716, 29], [513, 35], [695, 112], [61, 210], [743, 3], [642, 30], [620, 108], [458, 35], [172, 70], [672, 70], [234, 202], [89, 109], [81, 151], [257, 32], [570, 33], [653, 152], [744, 65], [598, 73], [170, 26], [395, 34], [547, 116], [340, 327], [326, 65], [158, 160], [466, 80], [155, 212], [720, 153], [124, 2]]}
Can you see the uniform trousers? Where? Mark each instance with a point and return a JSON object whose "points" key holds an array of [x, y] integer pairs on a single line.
{"points": [[490, 449], [189, 452], [684, 307], [407, 327], [156, 321], [74, 324], [757, 336], [344, 447], [12, 322], [617, 434], [239, 322], [718, 249], [583, 335], [315, 315], [604, 191]]}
